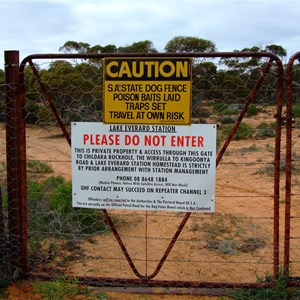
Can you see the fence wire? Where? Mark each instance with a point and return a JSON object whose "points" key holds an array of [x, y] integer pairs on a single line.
{"points": [[231, 248], [3, 190]]}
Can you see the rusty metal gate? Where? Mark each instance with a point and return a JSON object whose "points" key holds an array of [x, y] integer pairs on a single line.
{"points": [[292, 213], [241, 92]]}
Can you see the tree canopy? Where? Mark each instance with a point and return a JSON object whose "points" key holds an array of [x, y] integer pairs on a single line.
{"points": [[178, 44], [79, 47], [181, 44], [76, 85]]}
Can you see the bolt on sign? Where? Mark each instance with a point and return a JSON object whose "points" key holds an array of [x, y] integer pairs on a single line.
{"points": [[147, 91]]}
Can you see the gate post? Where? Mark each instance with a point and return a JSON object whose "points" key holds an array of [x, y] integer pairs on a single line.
{"points": [[13, 159], [288, 173]]}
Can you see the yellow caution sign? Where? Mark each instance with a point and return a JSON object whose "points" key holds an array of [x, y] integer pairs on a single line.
{"points": [[147, 91]]}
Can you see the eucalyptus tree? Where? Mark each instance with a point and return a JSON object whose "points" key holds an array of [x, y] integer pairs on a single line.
{"points": [[203, 71], [73, 89], [73, 47], [277, 50], [188, 44], [247, 70], [145, 46]]}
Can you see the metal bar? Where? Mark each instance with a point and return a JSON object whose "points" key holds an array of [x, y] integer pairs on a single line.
{"points": [[50, 102], [170, 246], [289, 107], [278, 116], [121, 244], [127, 255], [13, 156], [125, 282], [293, 281], [23, 170], [103, 55]]}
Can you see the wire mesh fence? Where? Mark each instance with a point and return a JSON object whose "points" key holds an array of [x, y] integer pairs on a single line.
{"points": [[234, 247], [3, 185]]}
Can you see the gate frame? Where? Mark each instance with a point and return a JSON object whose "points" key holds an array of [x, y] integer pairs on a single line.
{"points": [[15, 100], [288, 179]]}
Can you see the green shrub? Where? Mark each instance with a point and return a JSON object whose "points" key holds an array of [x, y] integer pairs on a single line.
{"points": [[252, 110], [226, 120], [51, 212], [204, 113], [34, 191], [228, 234], [57, 289], [226, 109], [219, 107], [296, 110], [53, 182], [264, 130], [37, 206], [61, 198], [252, 148], [269, 169], [244, 131], [36, 166], [31, 110], [85, 220], [279, 292], [230, 111], [45, 115], [4, 283], [76, 117]]}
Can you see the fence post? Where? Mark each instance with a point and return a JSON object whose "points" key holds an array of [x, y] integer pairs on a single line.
{"points": [[13, 158]]}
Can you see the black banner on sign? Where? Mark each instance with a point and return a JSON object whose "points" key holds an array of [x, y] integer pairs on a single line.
{"points": [[144, 69]]}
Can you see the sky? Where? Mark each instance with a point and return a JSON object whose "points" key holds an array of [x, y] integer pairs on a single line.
{"points": [[42, 27]]}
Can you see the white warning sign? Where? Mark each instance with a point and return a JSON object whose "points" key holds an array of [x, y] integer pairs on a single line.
{"points": [[144, 167]]}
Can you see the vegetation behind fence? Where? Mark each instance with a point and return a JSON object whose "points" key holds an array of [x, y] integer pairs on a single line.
{"points": [[240, 92]]}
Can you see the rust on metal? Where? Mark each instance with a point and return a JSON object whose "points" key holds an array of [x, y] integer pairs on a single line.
{"points": [[288, 161], [147, 279], [125, 282], [13, 155]]}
